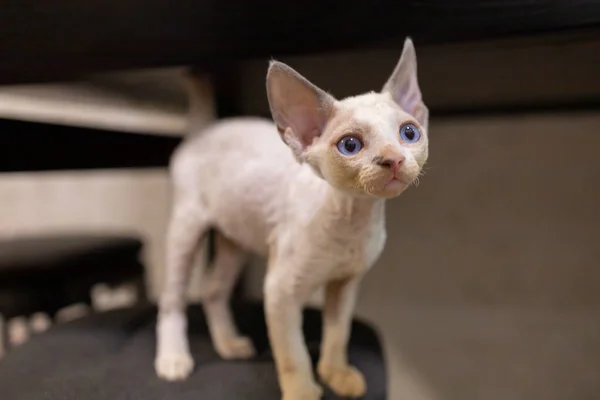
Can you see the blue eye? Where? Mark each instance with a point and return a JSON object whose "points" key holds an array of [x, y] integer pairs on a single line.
{"points": [[349, 145], [410, 133]]}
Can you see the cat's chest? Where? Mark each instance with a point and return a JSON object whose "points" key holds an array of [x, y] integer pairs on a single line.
{"points": [[354, 253], [375, 245]]}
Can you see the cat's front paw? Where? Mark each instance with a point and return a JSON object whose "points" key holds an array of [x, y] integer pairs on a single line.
{"points": [[294, 387], [313, 392], [236, 348], [345, 381], [174, 366]]}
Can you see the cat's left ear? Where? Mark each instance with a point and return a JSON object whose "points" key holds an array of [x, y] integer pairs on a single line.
{"points": [[299, 109], [403, 85]]}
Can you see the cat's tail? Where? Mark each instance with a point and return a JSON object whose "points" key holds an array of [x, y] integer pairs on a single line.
{"points": [[201, 105]]}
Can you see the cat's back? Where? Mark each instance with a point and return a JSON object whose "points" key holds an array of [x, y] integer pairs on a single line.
{"points": [[237, 171], [251, 135], [235, 147]]}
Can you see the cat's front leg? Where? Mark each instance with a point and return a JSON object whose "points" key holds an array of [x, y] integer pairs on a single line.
{"points": [[333, 368], [284, 299]]}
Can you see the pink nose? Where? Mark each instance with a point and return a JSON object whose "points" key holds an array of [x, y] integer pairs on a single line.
{"points": [[392, 163]]}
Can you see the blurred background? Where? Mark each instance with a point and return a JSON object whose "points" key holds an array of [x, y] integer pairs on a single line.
{"points": [[489, 287]]}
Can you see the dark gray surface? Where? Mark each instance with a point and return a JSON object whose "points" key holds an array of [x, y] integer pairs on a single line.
{"points": [[110, 356]]}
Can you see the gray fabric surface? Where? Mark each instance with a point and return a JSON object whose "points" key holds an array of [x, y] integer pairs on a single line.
{"points": [[110, 356]]}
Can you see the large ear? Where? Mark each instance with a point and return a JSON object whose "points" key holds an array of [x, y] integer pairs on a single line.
{"points": [[299, 108], [404, 86]]}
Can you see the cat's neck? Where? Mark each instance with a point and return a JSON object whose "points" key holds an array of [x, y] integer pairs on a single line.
{"points": [[312, 198], [357, 210]]}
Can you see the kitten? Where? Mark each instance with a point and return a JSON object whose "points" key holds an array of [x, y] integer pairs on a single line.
{"points": [[315, 208]]}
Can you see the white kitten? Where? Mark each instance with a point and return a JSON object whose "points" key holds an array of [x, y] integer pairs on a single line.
{"points": [[316, 212]]}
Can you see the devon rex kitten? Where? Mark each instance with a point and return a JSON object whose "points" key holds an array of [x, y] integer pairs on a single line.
{"points": [[315, 208]]}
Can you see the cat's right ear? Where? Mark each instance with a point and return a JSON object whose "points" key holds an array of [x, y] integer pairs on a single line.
{"points": [[299, 108]]}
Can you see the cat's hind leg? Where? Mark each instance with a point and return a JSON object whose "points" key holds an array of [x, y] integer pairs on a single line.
{"points": [[187, 227], [217, 286]]}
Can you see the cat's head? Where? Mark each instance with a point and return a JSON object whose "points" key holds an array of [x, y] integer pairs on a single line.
{"points": [[374, 143]]}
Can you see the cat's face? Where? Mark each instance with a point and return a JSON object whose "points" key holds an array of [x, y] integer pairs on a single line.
{"points": [[370, 146], [374, 144]]}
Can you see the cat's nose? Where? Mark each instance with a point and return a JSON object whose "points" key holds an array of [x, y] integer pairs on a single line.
{"points": [[391, 162]]}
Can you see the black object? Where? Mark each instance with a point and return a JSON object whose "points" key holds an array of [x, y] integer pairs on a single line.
{"points": [[29, 146], [43, 41], [47, 273], [110, 356]]}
